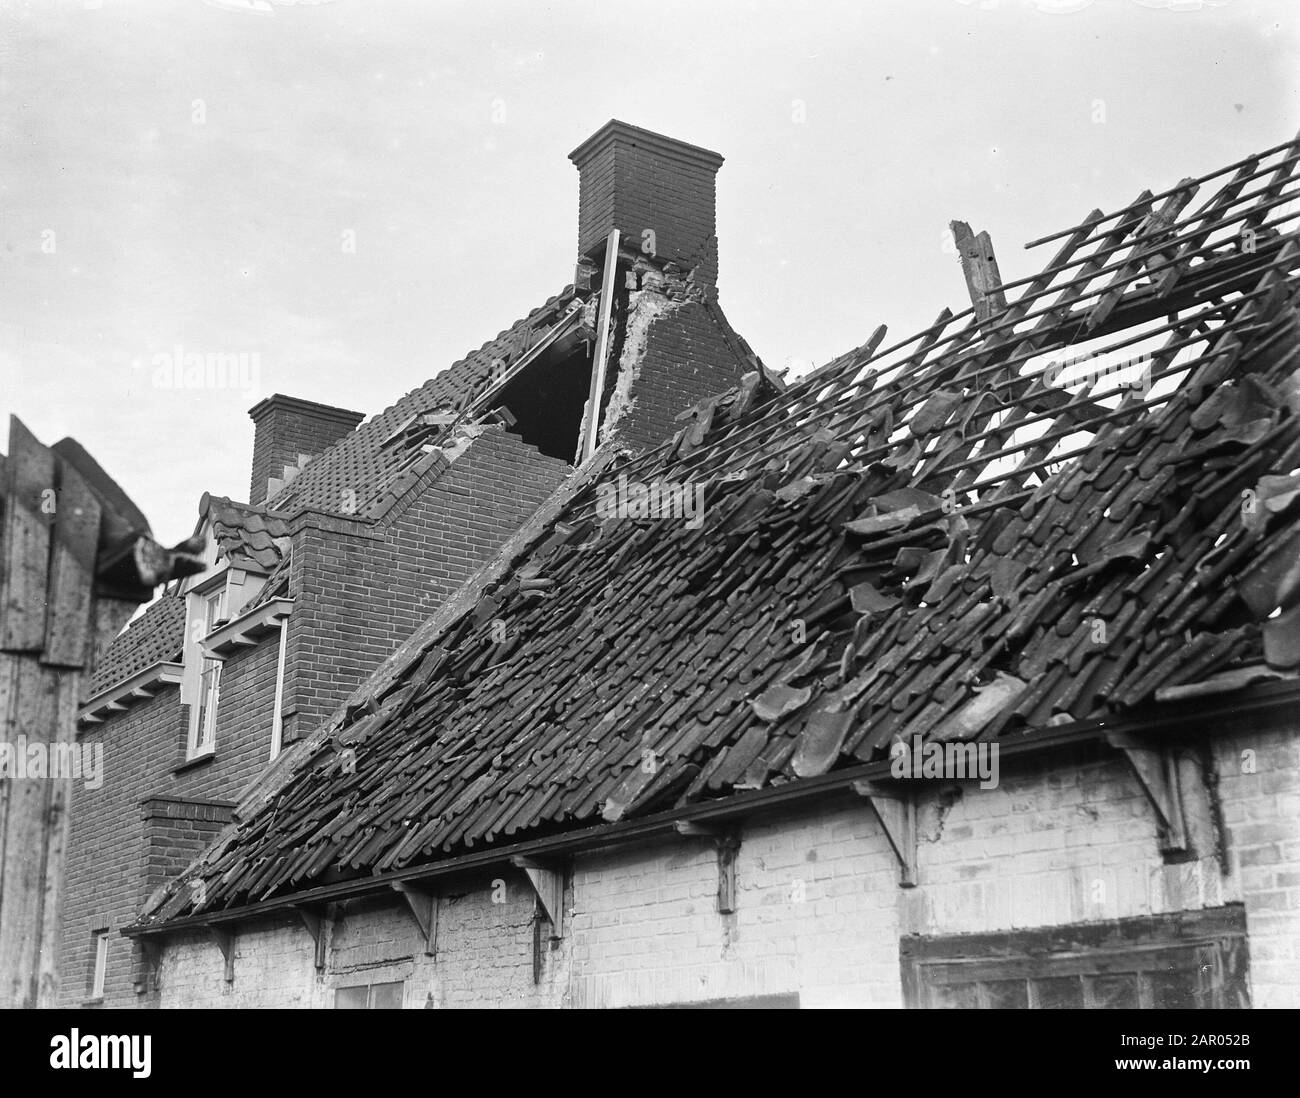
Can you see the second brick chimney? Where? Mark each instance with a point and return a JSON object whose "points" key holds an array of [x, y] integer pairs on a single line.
{"points": [[289, 433], [657, 191]]}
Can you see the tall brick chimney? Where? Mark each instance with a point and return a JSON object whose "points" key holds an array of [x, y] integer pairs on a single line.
{"points": [[290, 432], [657, 191]]}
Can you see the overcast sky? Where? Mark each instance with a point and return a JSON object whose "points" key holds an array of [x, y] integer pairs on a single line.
{"points": [[190, 172]]}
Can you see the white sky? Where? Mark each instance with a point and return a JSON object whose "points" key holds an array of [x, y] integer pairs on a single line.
{"points": [[438, 133]]}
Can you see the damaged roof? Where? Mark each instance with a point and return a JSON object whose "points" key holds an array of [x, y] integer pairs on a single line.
{"points": [[360, 476], [247, 535], [364, 470], [1057, 506]]}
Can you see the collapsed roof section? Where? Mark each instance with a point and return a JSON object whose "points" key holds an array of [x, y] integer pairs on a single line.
{"points": [[246, 536], [964, 535], [370, 467]]}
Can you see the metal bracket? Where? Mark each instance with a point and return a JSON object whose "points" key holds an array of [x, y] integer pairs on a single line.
{"points": [[226, 943], [548, 883], [424, 909], [896, 812], [318, 927], [1156, 769], [727, 842]]}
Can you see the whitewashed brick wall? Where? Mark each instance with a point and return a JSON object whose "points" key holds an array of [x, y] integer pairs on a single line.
{"points": [[1065, 838]]}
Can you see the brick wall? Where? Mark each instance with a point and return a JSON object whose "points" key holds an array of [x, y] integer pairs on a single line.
{"points": [[362, 591], [1065, 838], [133, 831], [687, 357], [104, 870], [176, 831], [1259, 784]]}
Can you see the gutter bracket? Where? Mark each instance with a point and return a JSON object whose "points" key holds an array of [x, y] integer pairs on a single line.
{"points": [[1157, 772], [226, 943], [423, 904], [896, 812], [150, 957], [726, 841], [318, 927], [548, 883]]}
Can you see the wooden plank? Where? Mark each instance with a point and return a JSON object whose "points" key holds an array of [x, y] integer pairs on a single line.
{"points": [[980, 267], [68, 635], [591, 429], [25, 541], [58, 821], [30, 713]]}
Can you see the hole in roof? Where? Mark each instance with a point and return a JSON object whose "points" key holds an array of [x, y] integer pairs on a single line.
{"points": [[548, 397]]}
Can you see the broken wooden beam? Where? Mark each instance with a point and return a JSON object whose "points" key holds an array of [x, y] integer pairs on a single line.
{"points": [[980, 267]]}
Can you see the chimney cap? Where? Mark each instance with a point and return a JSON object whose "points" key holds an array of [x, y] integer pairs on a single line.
{"points": [[615, 131], [280, 402]]}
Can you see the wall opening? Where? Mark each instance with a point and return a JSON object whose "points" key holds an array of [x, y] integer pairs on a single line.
{"points": [[546, 400]]}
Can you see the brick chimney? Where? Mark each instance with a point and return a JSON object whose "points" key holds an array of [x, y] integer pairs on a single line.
{"points": [[289, 433], [657, 191]]}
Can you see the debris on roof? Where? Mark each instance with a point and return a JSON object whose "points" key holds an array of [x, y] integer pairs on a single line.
{"points": [[350, 478], [947, 538]]}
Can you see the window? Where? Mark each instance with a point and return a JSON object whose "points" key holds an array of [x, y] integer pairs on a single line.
{"points": [[788, 1001], [99, 954], [1188, 960], [369, 997], [203, 734]]}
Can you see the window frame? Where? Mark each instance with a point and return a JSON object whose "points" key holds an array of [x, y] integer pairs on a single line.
{"points": [[370, 994], [1139, 947], [202, 738], [98, 962]]}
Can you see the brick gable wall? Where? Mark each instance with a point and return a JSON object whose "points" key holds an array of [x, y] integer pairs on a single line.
{"points": [[362, 591], [686, 359], [359, 592]]}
